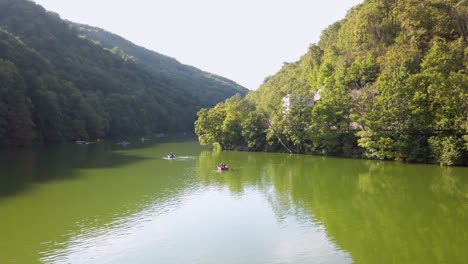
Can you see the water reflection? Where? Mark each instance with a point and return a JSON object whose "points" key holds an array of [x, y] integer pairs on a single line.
{"points": [[379, 212], [68, 192], [133, 206], [113, 241], [22, 168]]}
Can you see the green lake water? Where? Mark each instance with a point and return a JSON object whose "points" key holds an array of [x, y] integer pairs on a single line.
{"points": [[103, 203]]}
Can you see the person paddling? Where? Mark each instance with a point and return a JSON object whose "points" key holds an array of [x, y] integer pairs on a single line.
{"points": [[222, 166]]}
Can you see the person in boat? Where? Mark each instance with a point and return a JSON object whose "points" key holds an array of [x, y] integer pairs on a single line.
{"points": [[222, 166], [171, 155]]}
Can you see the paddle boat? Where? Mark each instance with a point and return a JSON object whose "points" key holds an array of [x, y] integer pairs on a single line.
{"points": [[123, 143], [222, 167]]}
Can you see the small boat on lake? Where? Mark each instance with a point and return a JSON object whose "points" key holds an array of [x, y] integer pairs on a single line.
{"points": [[171, 156], [123, 143], [223, 167]]}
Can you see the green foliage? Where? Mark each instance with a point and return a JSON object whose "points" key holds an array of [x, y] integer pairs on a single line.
{"points": [[225, 125], [202, 88], [393, 85], [62, 81], [15, 115], [209, 126], [448, 150], [254, 127], [362, 72]]}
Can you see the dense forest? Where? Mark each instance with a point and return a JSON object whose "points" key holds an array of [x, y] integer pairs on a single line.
{"points": [[389, 82], [191, 80], [60, 81]]}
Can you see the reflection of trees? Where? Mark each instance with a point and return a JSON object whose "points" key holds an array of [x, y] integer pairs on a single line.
{"points": [[449, 184], [379, 212], [23, 167], [388, 207], [12, 167], [106, 188]]}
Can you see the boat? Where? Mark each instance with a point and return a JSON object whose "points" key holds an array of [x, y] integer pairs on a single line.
{"points": [[123, 143], [171, 156], [81, 142], [223, 168]]}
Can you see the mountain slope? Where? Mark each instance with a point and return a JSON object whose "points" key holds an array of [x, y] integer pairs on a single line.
{"points": [[389, 81], [190, 79], [67, 87]]}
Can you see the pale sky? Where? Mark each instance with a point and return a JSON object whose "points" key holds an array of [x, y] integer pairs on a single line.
{"points": [[243, 40]]}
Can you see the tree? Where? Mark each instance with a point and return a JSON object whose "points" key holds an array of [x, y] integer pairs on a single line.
{"points": [[16, 126], [209, 125]]}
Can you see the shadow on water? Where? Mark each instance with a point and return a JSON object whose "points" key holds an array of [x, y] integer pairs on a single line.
{"points": [[19, 168], [53, 197]]}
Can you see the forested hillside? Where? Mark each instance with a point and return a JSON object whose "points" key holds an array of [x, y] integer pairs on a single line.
{"points": [[389, 81], [191, 80], [57, 84]]}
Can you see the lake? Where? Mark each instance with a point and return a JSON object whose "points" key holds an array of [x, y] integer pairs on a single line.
{"points": [[104, 203]]}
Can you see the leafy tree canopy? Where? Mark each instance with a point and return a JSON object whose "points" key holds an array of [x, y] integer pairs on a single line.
{"points": [[389, 81]]}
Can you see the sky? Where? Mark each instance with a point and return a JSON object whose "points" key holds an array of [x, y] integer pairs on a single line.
{"points": [[243, 40]]}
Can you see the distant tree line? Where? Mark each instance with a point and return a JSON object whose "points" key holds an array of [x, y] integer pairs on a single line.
{"points": [[392, 77], [57, 84]]}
